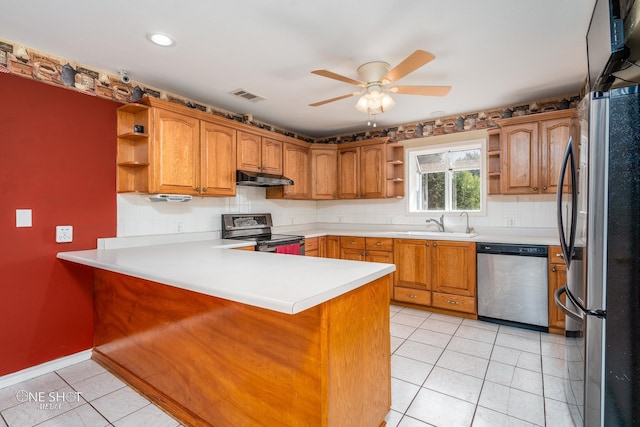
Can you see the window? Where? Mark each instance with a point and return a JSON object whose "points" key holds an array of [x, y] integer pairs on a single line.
{"points": [[446, 178]]}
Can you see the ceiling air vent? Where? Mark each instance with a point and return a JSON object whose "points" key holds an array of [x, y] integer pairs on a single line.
{"points": [[246, 95]]}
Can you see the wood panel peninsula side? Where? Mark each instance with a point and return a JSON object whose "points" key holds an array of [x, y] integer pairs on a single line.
{"points": [[212, 361]]}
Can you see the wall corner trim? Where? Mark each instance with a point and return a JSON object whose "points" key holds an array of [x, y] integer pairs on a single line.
{"points": [[44, 368]]}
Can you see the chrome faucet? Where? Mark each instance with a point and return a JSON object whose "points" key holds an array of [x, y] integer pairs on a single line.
{"points": [[440, 223], [469, 229]]}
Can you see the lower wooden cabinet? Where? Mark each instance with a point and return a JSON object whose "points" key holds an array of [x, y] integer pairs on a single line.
{"points": [[311, 246], [413, 296], [372, 249], [454, 302], [557, 279], [439, 274], [246, 248], [332, 247]]}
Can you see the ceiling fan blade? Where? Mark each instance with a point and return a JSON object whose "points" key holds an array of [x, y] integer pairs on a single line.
{"points": [[329, 74], [337, 98], [411, 63], [421, 90]]}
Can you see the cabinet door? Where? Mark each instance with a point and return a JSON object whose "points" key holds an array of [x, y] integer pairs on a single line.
{"points": [[412, 264], [352, 254], [349, 173], [333, 247], [322, 246], [271, 156], [379, 256], [218, 160], [249, 157], [520, 163], [372, 171], [323, 173], [296, 167], [554, 136], [557, 279], [454, 267], [176, 153]]}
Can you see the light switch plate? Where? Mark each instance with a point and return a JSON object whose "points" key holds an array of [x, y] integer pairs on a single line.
{"points": [[64, 233], [24, 218]]}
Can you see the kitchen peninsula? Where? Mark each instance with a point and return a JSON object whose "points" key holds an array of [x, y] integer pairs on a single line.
{"points": [[226, 338]]}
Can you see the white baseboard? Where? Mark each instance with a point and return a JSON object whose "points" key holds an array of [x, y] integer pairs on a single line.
{"points": [[44, 368]]}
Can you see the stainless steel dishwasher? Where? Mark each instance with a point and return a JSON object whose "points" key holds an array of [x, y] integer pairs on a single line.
{"points": [[513, 284]]}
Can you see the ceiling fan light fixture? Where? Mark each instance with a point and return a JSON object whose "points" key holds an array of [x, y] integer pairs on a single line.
{"points": [[375, 101]]}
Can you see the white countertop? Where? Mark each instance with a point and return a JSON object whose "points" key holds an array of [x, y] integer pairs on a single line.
{"points": [[516, 238], [285, 283]]}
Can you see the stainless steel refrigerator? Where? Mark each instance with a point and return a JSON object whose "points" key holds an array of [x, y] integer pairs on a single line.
{"points": [[599, 230]]}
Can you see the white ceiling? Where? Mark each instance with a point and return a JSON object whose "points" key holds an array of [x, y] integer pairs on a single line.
{"points": [[493, 53]]}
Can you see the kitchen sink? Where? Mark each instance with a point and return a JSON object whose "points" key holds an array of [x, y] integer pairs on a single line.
{"points": [[444, 234]]}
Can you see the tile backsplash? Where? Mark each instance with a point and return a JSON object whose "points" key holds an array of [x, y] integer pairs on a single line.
{"points": [[138, 216]]}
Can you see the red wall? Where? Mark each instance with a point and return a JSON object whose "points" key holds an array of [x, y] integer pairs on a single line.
{"points": [[57, 157]]}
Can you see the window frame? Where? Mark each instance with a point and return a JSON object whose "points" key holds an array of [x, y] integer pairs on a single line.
{"points": [[412, 176]]}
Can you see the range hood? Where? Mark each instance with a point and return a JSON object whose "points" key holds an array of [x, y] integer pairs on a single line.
{"points": [[256, 179]]}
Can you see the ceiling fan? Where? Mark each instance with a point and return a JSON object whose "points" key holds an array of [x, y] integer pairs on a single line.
{"points": [[375, 76]]}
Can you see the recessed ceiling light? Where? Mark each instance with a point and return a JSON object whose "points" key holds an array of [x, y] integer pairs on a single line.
{"points": [[161, 39]]}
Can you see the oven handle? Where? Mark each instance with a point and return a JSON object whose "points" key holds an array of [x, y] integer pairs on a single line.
{"points": [[267, 248]]}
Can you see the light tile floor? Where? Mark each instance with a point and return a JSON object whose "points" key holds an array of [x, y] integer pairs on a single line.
{"points": [[446, 371]]}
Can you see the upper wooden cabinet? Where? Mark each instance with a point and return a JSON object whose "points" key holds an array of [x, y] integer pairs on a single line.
{"points": [[324, 164], [362, 169], [531, 152], [179, 151], [259, 154], [295, 167], [176, 153], [217, 159]]}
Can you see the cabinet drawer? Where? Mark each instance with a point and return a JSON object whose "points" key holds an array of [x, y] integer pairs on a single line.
{"points": [[414, 296], [311, 244], [379, 244], [352, 242], [454, 302], [555, 255]]}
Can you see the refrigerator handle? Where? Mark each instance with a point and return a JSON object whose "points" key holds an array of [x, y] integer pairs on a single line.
{"points": [[564, 308], [567, 161], [599, 313]]}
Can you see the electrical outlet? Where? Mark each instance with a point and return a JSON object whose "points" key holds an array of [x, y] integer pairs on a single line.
{"points": [[64, 233], [388, 220], [512, 221]]}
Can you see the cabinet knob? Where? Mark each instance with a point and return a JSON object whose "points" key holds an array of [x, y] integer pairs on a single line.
{"points": [[544, 187], [378, 243], [560, 255], [535, 188], [197, 188], [554, 269], [434, 244], [363, 254], [412, 296], [204, 189], [427, 244], [453, 302]]}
